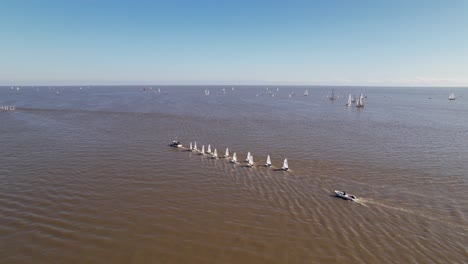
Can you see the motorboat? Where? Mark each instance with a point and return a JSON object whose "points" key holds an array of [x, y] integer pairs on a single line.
{"points": [[344, 195], [175, 144]]}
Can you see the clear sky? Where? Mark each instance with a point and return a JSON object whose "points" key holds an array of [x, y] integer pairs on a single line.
{"points": [[329, 42]]}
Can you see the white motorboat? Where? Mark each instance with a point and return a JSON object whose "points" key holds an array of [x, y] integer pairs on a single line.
{"points": [[344, 195], [175, 144]]}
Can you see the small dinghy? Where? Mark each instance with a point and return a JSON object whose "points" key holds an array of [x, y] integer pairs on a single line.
{"points": [[250, 162], [350, 101], [268, 162], [175, 144], [248, 156], [202, 152], [234, 158], [285, 165], [344, 195], [215, 154], [209, 149], [226, 154], [195, 147], [191, 147]]}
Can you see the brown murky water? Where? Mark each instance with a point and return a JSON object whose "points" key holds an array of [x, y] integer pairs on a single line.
{"points": [[87, 177]]}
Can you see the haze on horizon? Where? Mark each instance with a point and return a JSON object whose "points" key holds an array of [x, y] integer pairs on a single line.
{"points": [[382, 43]]}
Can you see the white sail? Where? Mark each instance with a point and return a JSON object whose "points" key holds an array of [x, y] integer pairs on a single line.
{"points": [[350, 100], [215, 153], [332, 97], [159, 90], [203, 150], [251, 162], [224, 90], [306, 93], [360, 102], [195, 146], [227, 153], [207, 92], [268, 162], [191, 148], [451, 96], [234, 158], [248, 156], [209, 149], [285, 165], [277, 89]]}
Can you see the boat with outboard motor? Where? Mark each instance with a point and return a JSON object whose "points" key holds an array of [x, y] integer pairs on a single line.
{"points": [[344, 195], [175, 144]]}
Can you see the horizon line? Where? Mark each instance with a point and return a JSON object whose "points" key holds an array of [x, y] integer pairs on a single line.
{"points": [[241, 85]]}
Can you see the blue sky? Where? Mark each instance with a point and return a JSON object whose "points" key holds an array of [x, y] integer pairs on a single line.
{"points": [[379, 42]]}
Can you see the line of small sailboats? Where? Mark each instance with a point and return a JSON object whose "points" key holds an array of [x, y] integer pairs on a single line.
{"points": [[214, 155], [352, 99]]}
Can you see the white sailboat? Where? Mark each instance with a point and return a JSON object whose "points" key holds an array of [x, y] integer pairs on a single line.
{"points": [[207, 92], [248, 156], [202, 150], [224, 90], [209, 149], [285, 165], [251, 162], [360, 102], [195, 146], [190, 148], [268, 162], [159, 90], [350, 101], [226, 155], [306, 93], [234, 158], [451, 96], [215, 154], [332, 97]]}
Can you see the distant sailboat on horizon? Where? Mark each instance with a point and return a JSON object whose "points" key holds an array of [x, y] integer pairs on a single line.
{"points": [[306, 93], [207, 92], [248, 156], [350, 101], [209, 149], [451, 96], [360, 102], [215, 154], [332, 97], [226, 155]]}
